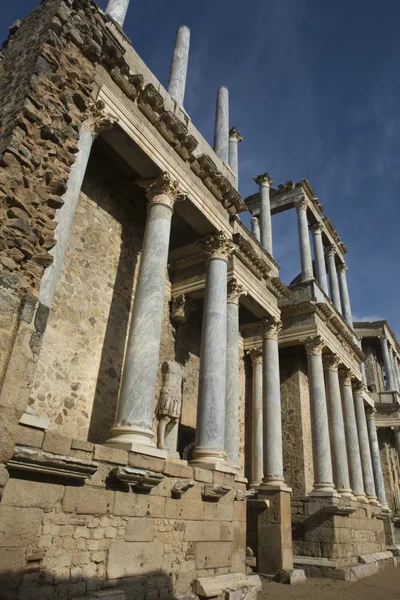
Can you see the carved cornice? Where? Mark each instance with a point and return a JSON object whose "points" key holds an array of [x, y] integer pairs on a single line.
{"points": [[271, 328], [256, 355], [130, 84], [217, 246], [55, 465], [141, 479], [331, 362], [278, 288], [235, 135], [314, 345], [235, 290], [248, 255], [263, 180]]}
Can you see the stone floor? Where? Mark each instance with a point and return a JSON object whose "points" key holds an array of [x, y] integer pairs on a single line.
{"points": [[384, 586]]}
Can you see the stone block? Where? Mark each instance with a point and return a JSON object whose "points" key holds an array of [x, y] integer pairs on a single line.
{"points": [[128, 559], [178, 468], [19, 527], [32, 494], [12, 561], [56, 443], [143, 461], [110, 455], [208, 587], [203, 475], [223, 478], [293, 577], [227, 532], [88, 501], [360, 571], [199, 531], [240, 511], [221, 511], [139, 505], [182, 509], [210, 555], [28, 436], [82, 445], [139, 529]]}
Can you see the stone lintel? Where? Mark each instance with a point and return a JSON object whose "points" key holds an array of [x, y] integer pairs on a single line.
{"points": [[138, 478], [46, 463]]}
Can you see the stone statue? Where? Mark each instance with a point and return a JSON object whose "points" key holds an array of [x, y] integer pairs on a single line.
{"points": [[170, 403]]}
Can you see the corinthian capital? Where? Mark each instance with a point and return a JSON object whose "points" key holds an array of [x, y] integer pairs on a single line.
{"points": [[217, 246], [314, 345], [263, 179], [301, 203], [330, 250], [316, 229], [331, 362], [358, 388], [271, 328], [235, 135], [342, 268], [346, 376], [163, 190], [235, 290], [256, 355], [370, 412]]}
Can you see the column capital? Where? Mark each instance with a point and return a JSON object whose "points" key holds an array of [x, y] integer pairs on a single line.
{"points": [[331, 362], [263, 180], [330, 250], [316, 229], [314, 345], [235, 135], [370, 412], [271, 327], [301, 203], [342, 268], [235, 290], [254, 221], [162, 190], [256, 355], [97, 120], [383, 338], [358, 388], [346, 376], [217, 246]]}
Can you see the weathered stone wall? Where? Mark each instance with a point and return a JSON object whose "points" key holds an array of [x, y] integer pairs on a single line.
{"points": [[59, 540], [296, 421]]}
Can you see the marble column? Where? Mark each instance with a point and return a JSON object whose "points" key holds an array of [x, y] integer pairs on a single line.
{"points": [[396, 432], [352, 444], [257, 464], [134, 421], [376, 457], [179, 65], [235, 290], [255, 228], [221, 129], [65, 216], [304, 240], [396, 371], [344, 294], [365, 451], [234, 140], [272, 416], [337, 433], [210, 428], [323, 477], [117, 9], [333, 278], [387, 364], [320, 267], [264, 182]]}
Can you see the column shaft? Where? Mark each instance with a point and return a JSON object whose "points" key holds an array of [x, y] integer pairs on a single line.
{"points": [[337, 433], [365, 451], [323, 484], [319, 255], [376, 458], [333, 279], [352, 444], [255, 228], [264, 182], [304, 241], [117, 9], [396, 432], [344, 295], [234, 140], [272, 418], [179, 65], [397, 371], [388, 364], [257, 466], [221, 130]]}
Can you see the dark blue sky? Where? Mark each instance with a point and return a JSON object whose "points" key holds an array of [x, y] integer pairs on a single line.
{"points": [[314, 90]]}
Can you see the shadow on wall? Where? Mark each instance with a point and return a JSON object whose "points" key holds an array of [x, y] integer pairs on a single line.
{"points": [[38, 584]]}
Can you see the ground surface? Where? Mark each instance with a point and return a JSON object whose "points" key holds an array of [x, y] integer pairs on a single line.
{"points": [[384, 586]]}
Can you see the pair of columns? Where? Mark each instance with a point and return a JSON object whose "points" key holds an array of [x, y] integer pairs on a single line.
{"points": [[267, 455], [391, 366], [342, 452]]}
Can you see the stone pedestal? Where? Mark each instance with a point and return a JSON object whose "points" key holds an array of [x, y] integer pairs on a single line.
{"points": [[319, 255], [264, 182], [333, 279], [257, 460], [376, 458], [275, 553], [221, 130], [234, 140], [304, 240], [365, 451], [179, 65], [117, 9], [134, 421]]}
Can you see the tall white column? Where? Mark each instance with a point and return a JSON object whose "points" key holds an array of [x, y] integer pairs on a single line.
{"points": [[221, 129], [117, 9], [257, 465], [352, 444], [304, 240], [387, 364], [179, 65], [210, 428], [333, 279], [365, 451], [134, 420], [234, 140], [235, 290], [264, 182], [396, 370], [272, 417], [319, 255], [337, 433], [344, 294], [376, 457], [323, 477], [255, 228]]}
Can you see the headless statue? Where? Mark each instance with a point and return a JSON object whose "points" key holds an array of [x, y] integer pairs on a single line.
{"points": [[170, 403]]}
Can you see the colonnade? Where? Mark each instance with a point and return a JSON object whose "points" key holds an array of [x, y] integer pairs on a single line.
{"points": [[391, 365]]}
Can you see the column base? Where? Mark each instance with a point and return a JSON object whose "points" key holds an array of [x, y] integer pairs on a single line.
{"points": [[134, 439], [326, 490], [361, 497], [215, 460], [373, 500], [346, 493], [273, 484]]}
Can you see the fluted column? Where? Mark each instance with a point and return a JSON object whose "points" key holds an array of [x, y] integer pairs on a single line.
{"points": [[376, 457], [257, 465], [179, 65], [323, 477], [304, 240], [344, 294], [388, 364], [117, 9], [337, 433], [221, 129], [234, 140], [255, 228], [210, 428], [319, 255], [333, 278], [352, 444], [272, 417], [365, 451], [134, 421], [232, 374], [264, 182]]}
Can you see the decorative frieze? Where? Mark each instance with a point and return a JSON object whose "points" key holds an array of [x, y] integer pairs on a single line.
{"points": [[250, 258], [46, 463], [130, 84], [140, 479]]}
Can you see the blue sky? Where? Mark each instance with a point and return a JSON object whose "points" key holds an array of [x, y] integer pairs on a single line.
{"points": [[314, 89]]}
